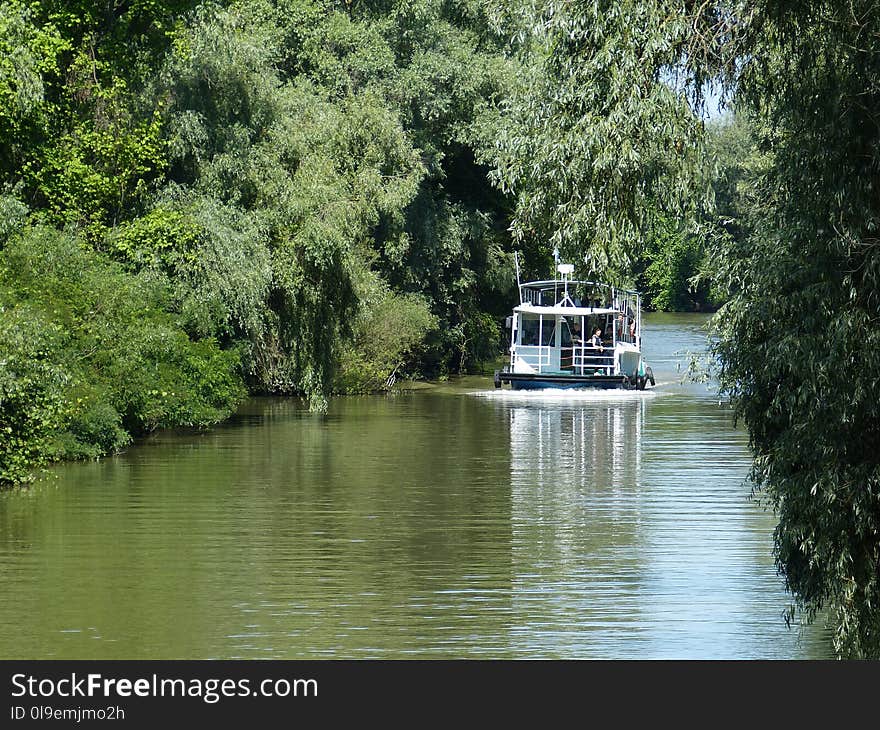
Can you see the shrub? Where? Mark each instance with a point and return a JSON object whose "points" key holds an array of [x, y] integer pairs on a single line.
{"points": [[32, 403], [89, 356]]}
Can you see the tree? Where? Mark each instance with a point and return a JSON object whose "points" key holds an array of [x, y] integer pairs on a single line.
{"points": [[799, 338], [89, 356], [443, 66], [599, 135]]}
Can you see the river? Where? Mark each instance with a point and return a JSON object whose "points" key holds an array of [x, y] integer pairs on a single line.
{"points": [[453, 521]]}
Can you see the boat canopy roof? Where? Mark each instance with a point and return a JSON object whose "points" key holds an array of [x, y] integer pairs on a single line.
{"points": [[575, 298], [565, 309], [551, 283], [533, 292]]}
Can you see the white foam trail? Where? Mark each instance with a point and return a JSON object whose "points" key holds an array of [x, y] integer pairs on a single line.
{"points": [[557, 395]]}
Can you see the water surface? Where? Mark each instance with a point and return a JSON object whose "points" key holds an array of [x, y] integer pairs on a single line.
{"points": [[453, 522]]}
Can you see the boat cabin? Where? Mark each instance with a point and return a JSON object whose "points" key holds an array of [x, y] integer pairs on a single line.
{"points": [[570, 333]]}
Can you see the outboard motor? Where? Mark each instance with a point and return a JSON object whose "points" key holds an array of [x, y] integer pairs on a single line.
{"points": [[644, 375]]}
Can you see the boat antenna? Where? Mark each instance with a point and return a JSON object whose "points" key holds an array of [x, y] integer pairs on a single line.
{"points": [[518, 284], [566, 271]]}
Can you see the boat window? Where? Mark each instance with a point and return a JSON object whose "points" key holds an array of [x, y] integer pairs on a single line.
{"points": [[529, 327], [548, 334], [566, 332]]}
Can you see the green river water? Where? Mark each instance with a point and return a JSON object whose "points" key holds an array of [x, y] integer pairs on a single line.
{"points": [[453, 521]]}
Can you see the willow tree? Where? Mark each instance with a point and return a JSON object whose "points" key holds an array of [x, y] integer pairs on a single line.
{"points": [[600, 135], [800, 345], [285, 183], [600, 131], [442, 66]]}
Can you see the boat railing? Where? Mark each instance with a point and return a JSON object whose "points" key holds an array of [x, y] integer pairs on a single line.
{"points": [[581, 293], [588, 358], [539, 357], [628, 325]]}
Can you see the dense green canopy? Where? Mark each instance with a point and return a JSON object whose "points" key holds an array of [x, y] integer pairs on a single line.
{"points": [[315, 196], [297, 180]]}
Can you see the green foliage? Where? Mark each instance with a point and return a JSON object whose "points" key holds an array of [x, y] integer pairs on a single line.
{"points": [[215, 256], [129, 35], [93, 357], [95, 174], [672, 263], [32, 387], [799, 341], [93, 428], [305, 177], [442, 69], [13, 214], [387, 334], [596, 136], [30, 57], [441, 251], [164, 238], [735, 162], [73, 133]]}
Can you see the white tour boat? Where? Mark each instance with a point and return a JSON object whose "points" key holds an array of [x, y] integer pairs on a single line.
{"points": [[566, 333]]}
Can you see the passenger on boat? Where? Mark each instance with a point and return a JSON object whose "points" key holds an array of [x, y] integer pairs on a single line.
{"points": [[631, 318], [596, 339]]}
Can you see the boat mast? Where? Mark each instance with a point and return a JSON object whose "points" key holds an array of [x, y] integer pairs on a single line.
{"points": [[518, 282], [555, 268]]}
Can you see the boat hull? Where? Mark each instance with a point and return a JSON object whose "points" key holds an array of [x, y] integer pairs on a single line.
{"points": [[528, 381]]}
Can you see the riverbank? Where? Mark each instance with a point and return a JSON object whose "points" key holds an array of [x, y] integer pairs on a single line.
{"points": [[95, 429]]}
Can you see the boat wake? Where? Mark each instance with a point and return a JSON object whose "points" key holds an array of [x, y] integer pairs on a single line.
{"points": [[567, 395]]}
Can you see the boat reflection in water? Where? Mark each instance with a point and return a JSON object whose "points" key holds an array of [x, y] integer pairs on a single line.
{"points": [[576, 445], [575, 469], [577, 565]]}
